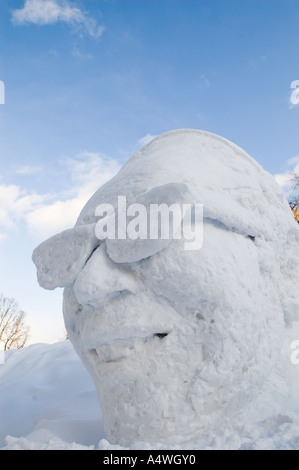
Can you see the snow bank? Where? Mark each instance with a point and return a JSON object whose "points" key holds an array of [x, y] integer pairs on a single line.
{"points": [[45, 386]]}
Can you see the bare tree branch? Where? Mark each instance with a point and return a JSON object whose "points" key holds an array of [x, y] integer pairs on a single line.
{"points": [[13, 331]]}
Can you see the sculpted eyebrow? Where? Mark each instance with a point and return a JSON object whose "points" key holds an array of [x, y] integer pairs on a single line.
{"points": [[60, 258]]}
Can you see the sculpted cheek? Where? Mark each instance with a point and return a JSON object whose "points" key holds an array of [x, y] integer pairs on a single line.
{"points": [[101, 280]]}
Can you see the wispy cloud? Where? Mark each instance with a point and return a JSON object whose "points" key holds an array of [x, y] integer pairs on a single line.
{"points": [[145, 140], [80, 55], [47, 214], [28, 170], [46, 12], [294, 97], [15, 203], [203, 81]]}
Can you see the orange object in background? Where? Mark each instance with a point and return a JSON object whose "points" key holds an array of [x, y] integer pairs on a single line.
{"points": [[296, 214]]}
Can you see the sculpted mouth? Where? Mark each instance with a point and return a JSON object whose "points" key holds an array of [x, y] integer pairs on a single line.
{"points": [[120, 349]]}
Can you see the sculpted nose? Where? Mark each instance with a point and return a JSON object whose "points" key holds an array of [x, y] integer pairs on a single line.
{"points": [[101, 280]]}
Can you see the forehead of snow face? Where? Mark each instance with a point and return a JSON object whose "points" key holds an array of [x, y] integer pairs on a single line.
{"points": [[231, 185]]}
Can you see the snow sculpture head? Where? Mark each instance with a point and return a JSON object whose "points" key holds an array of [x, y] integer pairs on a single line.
{"points": [[179, 342]]}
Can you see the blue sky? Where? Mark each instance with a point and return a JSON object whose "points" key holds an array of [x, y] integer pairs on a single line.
{"points": [[87, 82]]}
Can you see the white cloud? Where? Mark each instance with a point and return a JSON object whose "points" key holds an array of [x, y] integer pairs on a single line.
{"points": [[3, 236], [8, 196], [294, 162], [48, 219], [28, 170], [15, 204], [87, 172], [203, 81], [47, 214], [145, 140], [90, 170], [284, 179], [45, 12], [80, 55]]}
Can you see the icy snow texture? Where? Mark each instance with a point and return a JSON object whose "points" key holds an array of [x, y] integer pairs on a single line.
{"points": [[48, 402], [180, 343]]}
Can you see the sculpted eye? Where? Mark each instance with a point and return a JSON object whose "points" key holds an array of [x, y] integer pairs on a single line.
{"points": [[161, 335], [135, 250], [218, 223]]}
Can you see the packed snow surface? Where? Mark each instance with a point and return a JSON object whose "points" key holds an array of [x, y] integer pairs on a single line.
{"points": [[182, 343], [47, 402]]}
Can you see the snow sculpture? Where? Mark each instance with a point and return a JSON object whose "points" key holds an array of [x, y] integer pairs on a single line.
{"points": [[180, 343]]}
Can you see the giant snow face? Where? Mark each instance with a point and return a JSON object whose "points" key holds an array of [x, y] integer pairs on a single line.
{"points": [[178, 341]]}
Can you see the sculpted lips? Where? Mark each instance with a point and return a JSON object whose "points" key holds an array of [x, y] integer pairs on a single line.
{"points": [[120, 349]]}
